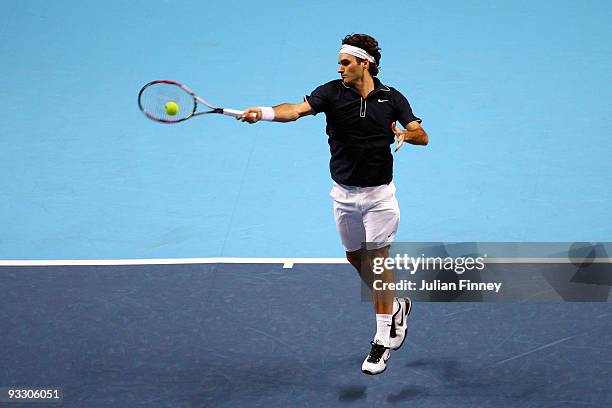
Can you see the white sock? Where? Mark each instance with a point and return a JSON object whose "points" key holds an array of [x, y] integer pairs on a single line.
{"points": [[383, 329]]}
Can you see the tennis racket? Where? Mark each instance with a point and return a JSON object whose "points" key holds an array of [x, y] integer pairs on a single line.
{"points": [[170, 102]]}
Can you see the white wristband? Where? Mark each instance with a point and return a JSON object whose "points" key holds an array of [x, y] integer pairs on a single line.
{"points": [[267, 113]]}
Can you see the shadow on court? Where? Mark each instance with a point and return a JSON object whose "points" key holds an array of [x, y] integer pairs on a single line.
{"points": [[260, 335]]}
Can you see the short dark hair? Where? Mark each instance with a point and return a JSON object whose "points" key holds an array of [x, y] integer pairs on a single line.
{"points": [[367, 43]]}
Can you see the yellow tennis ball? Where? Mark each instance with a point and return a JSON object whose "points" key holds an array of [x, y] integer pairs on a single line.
{"points": [[172, 108]]}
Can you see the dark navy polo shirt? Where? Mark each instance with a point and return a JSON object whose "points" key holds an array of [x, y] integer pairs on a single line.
{"points": [[359, 130]]}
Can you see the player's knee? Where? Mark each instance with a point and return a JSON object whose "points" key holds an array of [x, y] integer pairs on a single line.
{"points": [[355, 258]]}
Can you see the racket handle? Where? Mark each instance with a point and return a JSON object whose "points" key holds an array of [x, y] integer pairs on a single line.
{"points": [[232, 112]]}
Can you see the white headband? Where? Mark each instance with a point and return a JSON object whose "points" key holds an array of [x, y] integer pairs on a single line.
{"points": [[356, 52]]}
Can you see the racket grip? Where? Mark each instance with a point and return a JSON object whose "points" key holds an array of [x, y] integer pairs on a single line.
{"points": [[232, 112]]}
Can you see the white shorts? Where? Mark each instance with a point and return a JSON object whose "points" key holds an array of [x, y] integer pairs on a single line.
{"points": [[365, 214]]}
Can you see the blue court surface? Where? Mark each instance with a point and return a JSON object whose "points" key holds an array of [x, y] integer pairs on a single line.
{"points": [[515, 97], [260, 335]]}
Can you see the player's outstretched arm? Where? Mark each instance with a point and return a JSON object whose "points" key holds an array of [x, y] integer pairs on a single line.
{"points": [[286, 112]]}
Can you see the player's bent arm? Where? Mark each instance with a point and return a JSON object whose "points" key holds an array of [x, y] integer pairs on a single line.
{"points": [[415, 134]]}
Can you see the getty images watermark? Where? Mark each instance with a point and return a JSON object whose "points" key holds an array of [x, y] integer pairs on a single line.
{"points": [[492, 271], [412, 265]]}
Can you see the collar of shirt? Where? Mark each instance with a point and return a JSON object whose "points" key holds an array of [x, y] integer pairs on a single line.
{"points": [[378, 87]]}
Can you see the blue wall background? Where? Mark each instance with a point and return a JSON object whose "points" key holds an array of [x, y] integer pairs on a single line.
{"points": [[515, 97]]}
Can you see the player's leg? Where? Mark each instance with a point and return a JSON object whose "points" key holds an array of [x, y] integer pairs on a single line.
{"points": [[380, 218], [381, 221], [358, 259], [386, 303], [349, 222], [348, 215], [382, 296]]}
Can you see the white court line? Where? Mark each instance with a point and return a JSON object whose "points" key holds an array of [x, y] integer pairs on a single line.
{"points": [[286, 262]]}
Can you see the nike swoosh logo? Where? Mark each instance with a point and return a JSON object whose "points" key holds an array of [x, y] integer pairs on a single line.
{"points": [[383, 100]]}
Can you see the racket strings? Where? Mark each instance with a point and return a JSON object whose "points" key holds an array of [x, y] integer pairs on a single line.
{"points": [[154, 98]]}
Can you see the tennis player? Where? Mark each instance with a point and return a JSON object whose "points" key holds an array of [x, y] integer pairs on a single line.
{"points": [[361, 113]]}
